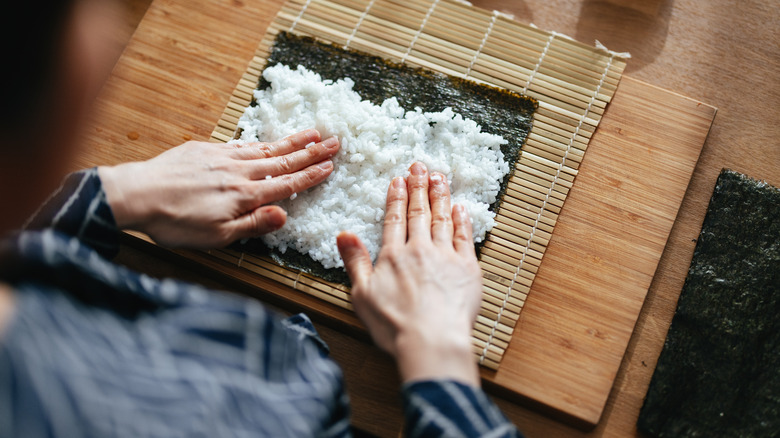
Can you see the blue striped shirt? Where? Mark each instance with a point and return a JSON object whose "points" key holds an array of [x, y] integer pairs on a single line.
{"points": [[94, 349]]}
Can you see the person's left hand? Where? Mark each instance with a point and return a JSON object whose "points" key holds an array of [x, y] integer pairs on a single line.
{"points": [[205, 195]]}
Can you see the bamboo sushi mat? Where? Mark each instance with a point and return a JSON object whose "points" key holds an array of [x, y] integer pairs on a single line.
{"points": [[573, 83]]}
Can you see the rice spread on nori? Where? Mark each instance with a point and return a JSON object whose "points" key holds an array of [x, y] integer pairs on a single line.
{"points": [[719, 372], [497, 111]]}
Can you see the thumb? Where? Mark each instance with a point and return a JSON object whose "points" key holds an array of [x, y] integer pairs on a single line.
{"points": [[357, 261], [260, 221]]}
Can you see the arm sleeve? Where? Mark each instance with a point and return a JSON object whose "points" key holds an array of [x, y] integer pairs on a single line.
{"points": [[79, 208], [452, 409]]}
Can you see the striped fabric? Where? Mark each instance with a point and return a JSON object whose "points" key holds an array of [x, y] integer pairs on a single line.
{"points": [[94, 349]]}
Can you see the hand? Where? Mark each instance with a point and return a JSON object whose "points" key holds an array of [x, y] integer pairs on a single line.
{"points": [[203, 195], [421, 299]]}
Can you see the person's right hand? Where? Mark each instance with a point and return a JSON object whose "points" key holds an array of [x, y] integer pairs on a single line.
{"points": [[421, 299], [205, 195]]}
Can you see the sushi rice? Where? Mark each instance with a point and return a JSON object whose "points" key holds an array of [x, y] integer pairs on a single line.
{"points": [[378, 143]]}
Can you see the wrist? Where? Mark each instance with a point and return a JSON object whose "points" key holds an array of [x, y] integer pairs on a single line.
{"points": [[120, 184], [422, 357]]}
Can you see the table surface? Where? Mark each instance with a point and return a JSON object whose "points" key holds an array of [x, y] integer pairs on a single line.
{"points": [[715, 52]]}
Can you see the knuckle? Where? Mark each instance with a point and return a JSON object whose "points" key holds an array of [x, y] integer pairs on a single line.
{"points": [[390, 253], [243, 189], [359, 294], [283, 143], [255, 150], [441, 190], [222, 165], [263, 150], [417, 183], [459, 235], [441, 219], [416, 210], [284, 163], [419, 251], [224, 235], [288, 185], [315, 153], [394, 218], [258, 225], [395, 197], [311, 176]]}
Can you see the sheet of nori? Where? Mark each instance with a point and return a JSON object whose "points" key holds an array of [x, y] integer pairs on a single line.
{"points": [[497, 111], [719, 372]]}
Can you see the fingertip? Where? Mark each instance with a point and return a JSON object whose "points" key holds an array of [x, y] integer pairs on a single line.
{"points": [[357, 260], [460, 214], [459, 210], [326, 166], [345, 240], [463, 236], [418, 168], [302, 138], [312, 134], [275, 217], [438, 184], [398, 183]]}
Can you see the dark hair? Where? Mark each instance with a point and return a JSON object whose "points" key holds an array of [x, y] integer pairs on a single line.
{"points": [[31, 35]]}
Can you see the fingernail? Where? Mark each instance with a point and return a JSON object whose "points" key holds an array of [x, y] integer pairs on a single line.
{"points": [[418, 169], [331, 143], [437, 178], [276, 217], [399, 182], [326, 165]]}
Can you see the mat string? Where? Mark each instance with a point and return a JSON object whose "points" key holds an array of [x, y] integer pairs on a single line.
{"points": [[240, 259], [297, 277], [419, 31], [539, 63], [544, 204], [357, 26], [298, 18], [482, 44]]}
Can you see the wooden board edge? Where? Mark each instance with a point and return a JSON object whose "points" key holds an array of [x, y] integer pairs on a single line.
{"points": [[586, 419]]}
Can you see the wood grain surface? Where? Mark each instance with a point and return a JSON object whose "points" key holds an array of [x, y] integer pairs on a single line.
{"points": [[735, 67]]}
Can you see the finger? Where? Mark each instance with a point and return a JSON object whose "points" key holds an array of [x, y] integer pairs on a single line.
{"points": [[394, 230], [441, 212], [462, 238], [289, 144], [357, 260], [419, 213], [258, 222], [276, 189], [294, 161]]}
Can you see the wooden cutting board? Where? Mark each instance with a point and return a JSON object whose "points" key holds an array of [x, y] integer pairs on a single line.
{"points": [[182, 64]]}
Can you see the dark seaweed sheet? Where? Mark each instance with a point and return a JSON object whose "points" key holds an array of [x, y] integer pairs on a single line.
{"points": [[719, 372], [497, 111]]}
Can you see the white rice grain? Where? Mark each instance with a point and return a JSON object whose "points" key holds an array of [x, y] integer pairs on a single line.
{"points": [[378, 143]]}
